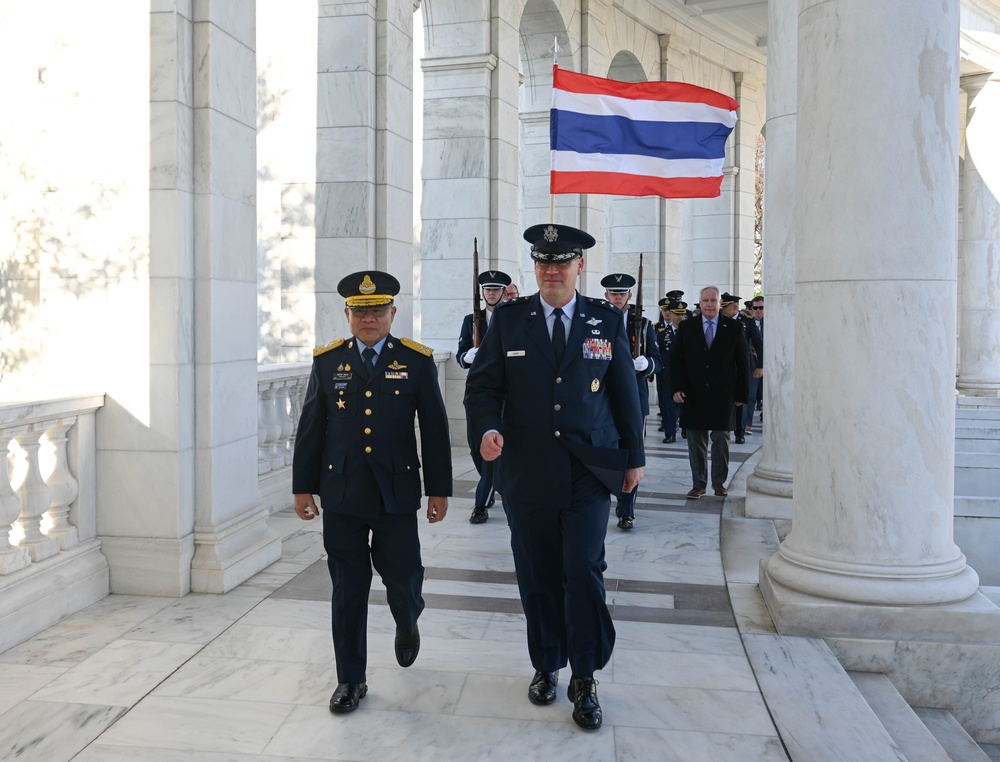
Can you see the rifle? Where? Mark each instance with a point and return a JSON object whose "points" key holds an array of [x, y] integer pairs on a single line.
{"points": [[640, 334], [477, 310]]}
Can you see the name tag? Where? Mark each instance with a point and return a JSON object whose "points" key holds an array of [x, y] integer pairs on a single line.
{"points": [[516, 353]]}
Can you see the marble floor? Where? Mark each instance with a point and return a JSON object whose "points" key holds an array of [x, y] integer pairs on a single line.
{"points": [[247, 676]]}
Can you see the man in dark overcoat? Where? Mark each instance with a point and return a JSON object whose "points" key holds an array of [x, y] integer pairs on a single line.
{"points": [[618, 291], [493, 284], [553, 388], [356, 448], [709, 373]]}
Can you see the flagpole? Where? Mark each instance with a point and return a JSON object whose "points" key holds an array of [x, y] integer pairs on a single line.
{"points": [[552, 196]]}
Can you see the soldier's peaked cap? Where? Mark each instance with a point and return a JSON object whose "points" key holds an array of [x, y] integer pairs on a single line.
{"points": [[557, 243], [726, 299], [617, 283], [368, 288], [675, 294], [494, 279]]}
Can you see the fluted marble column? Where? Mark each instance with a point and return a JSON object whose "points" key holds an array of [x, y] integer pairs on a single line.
{"points": [[875, 295], [769, 487], [979, 249]]}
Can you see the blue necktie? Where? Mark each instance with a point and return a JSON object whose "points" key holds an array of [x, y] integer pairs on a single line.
{"points": [[369, 355], [558, 334], [709, 333]]}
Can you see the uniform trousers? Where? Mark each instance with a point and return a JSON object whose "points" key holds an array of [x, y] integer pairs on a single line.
{"points": [[748, 410], [394, 550], [668, 408], [485, 489], [559, 558], [697, 440]]}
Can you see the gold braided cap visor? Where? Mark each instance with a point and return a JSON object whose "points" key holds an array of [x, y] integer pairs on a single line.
{"points": [[372, 300]]}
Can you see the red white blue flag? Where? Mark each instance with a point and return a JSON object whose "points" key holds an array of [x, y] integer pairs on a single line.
{"points": [[637, 138]]}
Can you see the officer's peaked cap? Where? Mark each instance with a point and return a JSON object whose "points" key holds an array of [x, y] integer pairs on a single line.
{"points": [[617, 283], [557, 243], [368, 288], [494, 279]]}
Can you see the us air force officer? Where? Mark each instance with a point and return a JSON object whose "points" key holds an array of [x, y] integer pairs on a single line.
{"points": [[357, 450], [553, 388]]}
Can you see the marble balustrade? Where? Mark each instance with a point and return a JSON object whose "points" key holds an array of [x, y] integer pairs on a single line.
{"points": [[47, 503], [281, 388]]}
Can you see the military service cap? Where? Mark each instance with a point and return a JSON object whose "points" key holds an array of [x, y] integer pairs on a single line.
{"points": [[557, 243], [726, 299], [494, 279], [368, 288], [675, 294], [618, 283]]}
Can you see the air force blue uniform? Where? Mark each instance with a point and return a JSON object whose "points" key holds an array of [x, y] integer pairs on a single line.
{"points": [[356, 448], [570, 430]]}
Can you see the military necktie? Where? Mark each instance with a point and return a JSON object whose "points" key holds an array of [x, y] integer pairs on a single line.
{"points": [[558, 334], [369, 355]]}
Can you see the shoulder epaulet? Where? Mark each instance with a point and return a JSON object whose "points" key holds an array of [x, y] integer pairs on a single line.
{"points": [[417, 347], [327, 347], [518, 300], [597, 302]]}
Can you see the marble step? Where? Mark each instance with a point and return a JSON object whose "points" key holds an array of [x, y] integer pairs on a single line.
{"points": [[984, 507], [951, 735], [977, 445], [978, 480], [913, 737], [819, 712], [977, 430]]}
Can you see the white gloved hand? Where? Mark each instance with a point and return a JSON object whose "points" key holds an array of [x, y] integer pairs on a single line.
{"points": [[470, 355], [641, 363]]}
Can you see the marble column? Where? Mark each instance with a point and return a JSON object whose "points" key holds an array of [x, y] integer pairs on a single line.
{"points": [[231, 535], [769, 487], [875, 297], [979, 249]]}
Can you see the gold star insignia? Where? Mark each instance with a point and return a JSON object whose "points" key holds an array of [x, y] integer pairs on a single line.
{"points": [[340, 404]]}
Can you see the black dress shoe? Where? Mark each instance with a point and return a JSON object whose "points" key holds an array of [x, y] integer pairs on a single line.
{"points": [[626, 522], [669, 440], [586, 708], [543, 687], [741, 440], [347, 697], [479, 515], [407, 647]]}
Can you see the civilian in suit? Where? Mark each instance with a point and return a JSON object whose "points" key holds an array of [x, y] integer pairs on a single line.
{"points": [[493, 284], [618, 291], [553, 388], [755, 334], [730, 308], [511, 292], [356, 448], [709, 373]]}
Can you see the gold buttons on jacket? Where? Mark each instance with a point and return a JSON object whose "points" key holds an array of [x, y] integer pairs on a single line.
{"points": [[368, 411], [368, 393], [368, 449], [397, 392], [368, 431], [330, 467]]}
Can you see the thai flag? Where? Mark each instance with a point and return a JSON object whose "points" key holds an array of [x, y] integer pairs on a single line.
{"points": [[637, 139]]}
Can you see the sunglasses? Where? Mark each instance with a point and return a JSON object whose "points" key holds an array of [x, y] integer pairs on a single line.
{"points": [[759, 308]]}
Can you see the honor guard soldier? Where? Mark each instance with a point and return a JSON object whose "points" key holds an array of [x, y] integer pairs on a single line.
{"points": [[618, 291], [356, 448], [493, 284], [730, 305], [672, 312], [553, 388]]}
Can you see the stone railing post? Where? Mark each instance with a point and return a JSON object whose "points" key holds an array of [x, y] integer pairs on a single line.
{"points": [[12, 557], [35, 497], [63, 487]]}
